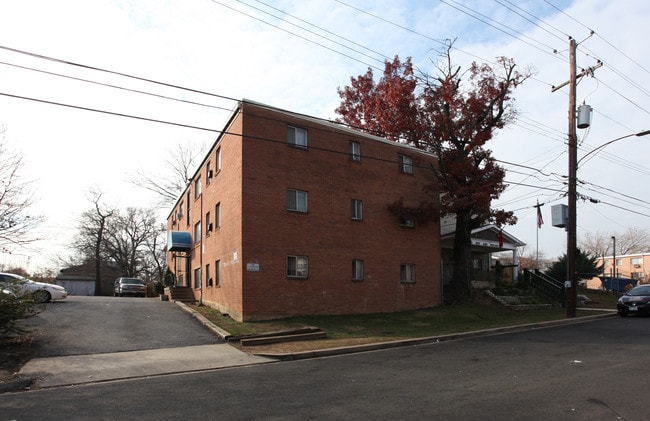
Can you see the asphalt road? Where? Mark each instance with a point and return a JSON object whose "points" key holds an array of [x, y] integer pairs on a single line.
{"points": [[91, 325], [587, 371]]}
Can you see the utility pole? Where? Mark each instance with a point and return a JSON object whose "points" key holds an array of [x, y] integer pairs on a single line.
{"points": [[573, 170], [572, 282]]}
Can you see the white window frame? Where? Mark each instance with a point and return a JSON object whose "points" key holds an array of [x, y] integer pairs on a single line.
{"points": [[407, 273], [356, 209], [405, 164], [297, 200], [217, 216], [357, 270], [355, 151], [297, 136], [297, 266], [218, 163]]}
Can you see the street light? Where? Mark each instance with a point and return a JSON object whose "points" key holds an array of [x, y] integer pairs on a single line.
{"points": [[596, 150]]}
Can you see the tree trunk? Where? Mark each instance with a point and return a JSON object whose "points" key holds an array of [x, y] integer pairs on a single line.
{"points": [[462, 259]]}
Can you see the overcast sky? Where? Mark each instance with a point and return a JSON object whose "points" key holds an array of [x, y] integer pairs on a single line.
{"points": [[294, 54]]}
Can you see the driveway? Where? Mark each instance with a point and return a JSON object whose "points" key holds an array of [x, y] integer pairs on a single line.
{"points": [[90, 339]]}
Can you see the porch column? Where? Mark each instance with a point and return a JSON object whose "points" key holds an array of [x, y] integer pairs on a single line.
{"points": [[515, 268]]}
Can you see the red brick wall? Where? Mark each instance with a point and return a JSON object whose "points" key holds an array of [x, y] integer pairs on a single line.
{"points": [[255, 224]]}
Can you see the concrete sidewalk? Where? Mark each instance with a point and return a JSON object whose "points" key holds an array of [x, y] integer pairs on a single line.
{"points": [[78, 369]]}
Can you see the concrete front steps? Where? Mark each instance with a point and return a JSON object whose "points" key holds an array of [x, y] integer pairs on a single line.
{"points": [[182, 294], [302, 334]]}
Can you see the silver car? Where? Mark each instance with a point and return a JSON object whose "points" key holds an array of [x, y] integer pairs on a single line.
{"points": [[40, 292], [129, 286]]}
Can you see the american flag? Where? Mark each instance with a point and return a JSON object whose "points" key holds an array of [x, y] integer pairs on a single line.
{"points": [[540, 220]]}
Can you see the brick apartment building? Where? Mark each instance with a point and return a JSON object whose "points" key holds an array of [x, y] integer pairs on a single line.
{"points": [[628, 266], [288, 215]]}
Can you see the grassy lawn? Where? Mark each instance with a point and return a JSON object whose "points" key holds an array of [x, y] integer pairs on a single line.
{"points": [[411, 324]]}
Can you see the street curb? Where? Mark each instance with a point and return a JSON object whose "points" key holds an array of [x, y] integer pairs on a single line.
{"points": [[204, 321], [398, 343]]}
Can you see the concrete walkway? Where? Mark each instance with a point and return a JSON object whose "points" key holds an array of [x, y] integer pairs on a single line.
{"points": [[78, 369]]}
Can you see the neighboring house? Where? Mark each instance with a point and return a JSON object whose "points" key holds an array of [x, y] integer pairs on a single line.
{"points": [[486, 240], [288, 215], [80, 280], [632, 266]]}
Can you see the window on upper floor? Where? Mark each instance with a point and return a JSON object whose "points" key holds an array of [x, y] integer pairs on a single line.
{"points": [[357, 270], [297, 266], [356, 209], [355, 151], [197, 232], [217, 216], [297, 200], [208, 173], [218, 160], [208, 224], [296, 136], [197, 188], [636, 261], [405, 164]]}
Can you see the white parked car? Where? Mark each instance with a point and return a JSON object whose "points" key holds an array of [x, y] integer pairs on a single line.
{"points": [[39, 291]]}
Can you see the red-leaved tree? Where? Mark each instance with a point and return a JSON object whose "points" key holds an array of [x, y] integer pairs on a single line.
{"points": [[452, 115]]}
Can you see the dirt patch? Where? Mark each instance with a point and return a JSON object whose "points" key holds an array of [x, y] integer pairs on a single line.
{"points": [[15, 351]]}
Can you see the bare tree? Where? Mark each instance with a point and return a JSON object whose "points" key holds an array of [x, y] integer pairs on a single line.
{"points": [[16, 222], [169, 182], [92, 228], [633, 240], [128, 237]]}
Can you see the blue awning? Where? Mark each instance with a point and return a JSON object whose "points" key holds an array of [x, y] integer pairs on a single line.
{"points": [[179, 241]]}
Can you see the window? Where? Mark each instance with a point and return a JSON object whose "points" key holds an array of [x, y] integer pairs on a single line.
{"points": [[217, 215], [357, 270], [180, 213], [197, 188], [187, 218], [217, 273], [405, 164], [208, 281], [478, 264], [208, 173], [405, 221], [636, 261], [218, 159], [355, 151], [296, 136], [197, 278], [208, 224], [297, 266], [356, 210], [197, 232], [407, 272], [297, 200]]}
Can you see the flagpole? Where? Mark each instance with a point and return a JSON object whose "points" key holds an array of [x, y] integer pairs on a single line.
{"points": [[539, 221]]}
